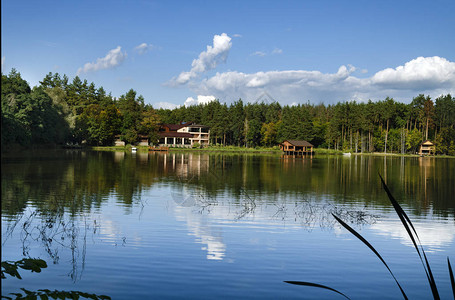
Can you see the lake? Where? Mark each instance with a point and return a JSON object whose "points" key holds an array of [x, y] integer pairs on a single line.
{"points": [[210, 226]]}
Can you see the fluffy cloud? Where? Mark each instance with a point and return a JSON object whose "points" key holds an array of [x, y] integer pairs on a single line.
{"points": [[165, 105], [207, 60], [144, 48], [112, 59], [200, 100], [3, 61], [429, 72], [431, 75]]}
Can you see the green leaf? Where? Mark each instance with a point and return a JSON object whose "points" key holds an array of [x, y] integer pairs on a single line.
{"points": [[408, 226], [316, 285], [452, 281], [361, 238]]}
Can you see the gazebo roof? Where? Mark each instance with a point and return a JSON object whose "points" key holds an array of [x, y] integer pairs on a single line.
{"points": [[427, 143], [301, 143]]}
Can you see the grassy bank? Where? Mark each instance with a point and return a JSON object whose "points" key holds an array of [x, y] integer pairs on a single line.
{"points": [[218, 149], [264, 150]]}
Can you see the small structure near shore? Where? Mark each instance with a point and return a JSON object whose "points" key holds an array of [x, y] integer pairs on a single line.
{"points": [[118, 141], [427, 148], [294, 147]]}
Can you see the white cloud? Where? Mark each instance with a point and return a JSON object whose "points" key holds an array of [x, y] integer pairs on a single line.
{"points": [[165, 105], [3, 62], [207, 60], [432, 76], [433, 235], [200, 100], [277, 51], [258, 53], [261, 53], [112, 59], [144, 48], [430, 72]]}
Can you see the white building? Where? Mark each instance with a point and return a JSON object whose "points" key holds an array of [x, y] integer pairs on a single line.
{"points": [[184, 135]]}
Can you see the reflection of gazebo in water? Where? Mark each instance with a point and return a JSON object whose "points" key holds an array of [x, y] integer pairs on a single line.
{"points": [[294, 147]]}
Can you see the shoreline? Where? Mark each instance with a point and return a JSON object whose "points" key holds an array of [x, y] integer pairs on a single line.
{"points": [[244, 150], [215, 149]]}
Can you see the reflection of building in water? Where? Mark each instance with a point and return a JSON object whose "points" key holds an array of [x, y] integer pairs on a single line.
{"points": [[186, 165], [205, 233], [426, 165], [143, 157], [289, 161], [119, 156]]}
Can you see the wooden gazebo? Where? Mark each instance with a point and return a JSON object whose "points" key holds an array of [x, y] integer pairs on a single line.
{"points": [[294, 147], [427, 148]]}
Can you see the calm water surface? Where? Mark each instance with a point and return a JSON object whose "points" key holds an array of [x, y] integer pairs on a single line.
{"points": [[209, 226]]}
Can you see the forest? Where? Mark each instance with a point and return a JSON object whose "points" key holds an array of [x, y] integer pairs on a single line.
{"points": [[63, 112]]}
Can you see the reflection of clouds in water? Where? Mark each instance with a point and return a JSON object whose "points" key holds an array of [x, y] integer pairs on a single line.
{"points": [[204, 231], [431, 234]]}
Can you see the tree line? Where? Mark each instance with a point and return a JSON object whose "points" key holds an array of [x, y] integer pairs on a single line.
{"points": [[59, 111]]}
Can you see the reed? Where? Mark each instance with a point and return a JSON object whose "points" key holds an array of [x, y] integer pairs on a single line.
{"points": [[406, 222]]}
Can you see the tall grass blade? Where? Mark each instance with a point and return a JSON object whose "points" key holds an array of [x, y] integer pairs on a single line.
{"points": [[452, 281], [316, 285], [357, 235], [408, 226]]}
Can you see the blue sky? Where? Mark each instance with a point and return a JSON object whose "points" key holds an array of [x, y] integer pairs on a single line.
{"points": [[187, 52]]}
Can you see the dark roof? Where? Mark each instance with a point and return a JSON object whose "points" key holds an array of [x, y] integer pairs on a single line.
{"points": [[176, 134], [197, 125], [299, 143], [174, 127]]}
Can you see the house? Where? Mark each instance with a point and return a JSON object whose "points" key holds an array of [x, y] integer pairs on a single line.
{"points": [[427, 148], [118, 141], [185, 134], [143, 140], [294, 147]]}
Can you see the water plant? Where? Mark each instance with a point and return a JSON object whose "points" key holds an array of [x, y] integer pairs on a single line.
{"points": [[35, 265], [406, 222]]}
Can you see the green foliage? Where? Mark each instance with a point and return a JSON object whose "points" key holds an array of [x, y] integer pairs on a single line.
{"points": [[269, 133], [32, 264], [35, 265], [413, 140], [60, 111], [445, 141], [130, 136], [46, 294]]}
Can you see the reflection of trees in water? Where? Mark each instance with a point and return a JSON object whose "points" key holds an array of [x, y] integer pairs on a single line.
{"points": [[345, 180], [90, 178], [305, 211], [54, 231]]}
